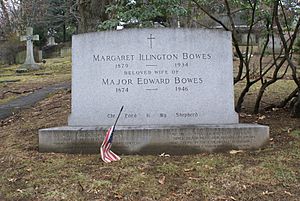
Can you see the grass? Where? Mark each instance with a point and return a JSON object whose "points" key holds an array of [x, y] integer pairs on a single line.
{"points": [[271, 173], [53, 71], [58, 177], [296, 134]]}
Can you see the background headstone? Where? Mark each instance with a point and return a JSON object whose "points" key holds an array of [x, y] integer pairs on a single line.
{"points": [[21, 56], [66, 52], [252, 39], [40, 55], [277, 44], [29, 63], [51, 41]]}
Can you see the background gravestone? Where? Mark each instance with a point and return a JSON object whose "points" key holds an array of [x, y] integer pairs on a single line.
{"points": [[275, 45], [21, 56], [29, 63], [65, 52], [51, 41]]}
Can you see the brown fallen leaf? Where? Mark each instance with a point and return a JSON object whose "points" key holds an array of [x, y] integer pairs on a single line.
{"points": [[245, 115], [208, 167], [19, 190], [164, 155], [118, 196], [233, 198], [162, 180], [188, 169], [194, 178], [235, 151], [267, 193], [288, 193], [29, 169], [189, 192], [12, 180]]}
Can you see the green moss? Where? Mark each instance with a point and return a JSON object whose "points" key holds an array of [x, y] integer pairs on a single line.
{"points": [[169, 169]]}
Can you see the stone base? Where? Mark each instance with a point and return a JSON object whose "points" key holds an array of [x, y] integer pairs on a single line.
{"points": [[28, 67], [152, 140]]}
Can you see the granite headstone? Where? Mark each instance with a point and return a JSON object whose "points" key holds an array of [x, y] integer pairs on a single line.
{"points": [[176, 86]]}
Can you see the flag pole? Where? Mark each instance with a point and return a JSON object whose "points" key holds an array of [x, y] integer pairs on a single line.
{"points": [[106, 154], [118, 117]]}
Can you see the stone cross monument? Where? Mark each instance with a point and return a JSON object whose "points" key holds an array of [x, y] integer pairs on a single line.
{"points": [[29, 64]]}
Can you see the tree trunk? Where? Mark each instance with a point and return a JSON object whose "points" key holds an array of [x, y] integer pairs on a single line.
{"points": [[92, 13], [240, 101], [6, 15], [64, 33], [287, 49], [296, 107]]}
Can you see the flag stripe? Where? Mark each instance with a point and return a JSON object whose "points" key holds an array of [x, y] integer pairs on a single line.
{"points": [[106, 154]]}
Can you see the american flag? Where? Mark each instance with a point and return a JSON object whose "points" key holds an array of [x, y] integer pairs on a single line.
{"points": [[106, 154]]}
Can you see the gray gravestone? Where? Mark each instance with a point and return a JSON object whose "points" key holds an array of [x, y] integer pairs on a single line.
{"points": [[274, 44], [184, 81], [65, 52], [252, 39], [51, 41], [40, 55], [29, 63], [176, 86]]}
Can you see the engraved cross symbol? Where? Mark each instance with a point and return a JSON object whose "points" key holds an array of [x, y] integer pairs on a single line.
{"points": [[151, 38]]}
